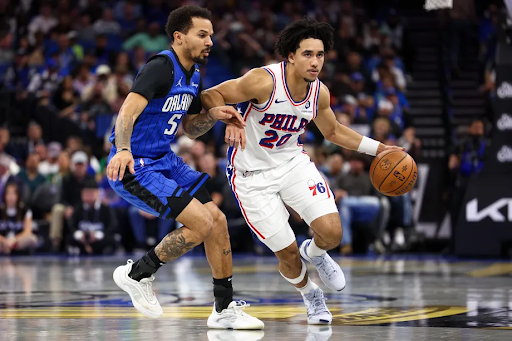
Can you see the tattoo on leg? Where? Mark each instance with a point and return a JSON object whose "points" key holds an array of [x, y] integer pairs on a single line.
{"points": [[173, 246], [226, 252]]}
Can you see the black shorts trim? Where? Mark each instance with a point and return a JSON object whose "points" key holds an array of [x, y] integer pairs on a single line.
{"points": [[203, 195], [176, 203]]}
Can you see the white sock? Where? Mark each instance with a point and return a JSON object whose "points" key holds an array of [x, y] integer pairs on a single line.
{"points": [[310, 285], [313, 250]]}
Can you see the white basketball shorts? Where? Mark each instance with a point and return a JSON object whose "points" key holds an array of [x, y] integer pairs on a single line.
{"points": [[262, 196]]}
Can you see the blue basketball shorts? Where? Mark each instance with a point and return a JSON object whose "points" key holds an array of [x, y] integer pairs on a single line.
{"points": [[162, 186]]}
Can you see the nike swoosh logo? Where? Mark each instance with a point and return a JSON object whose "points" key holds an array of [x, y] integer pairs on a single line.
{"points": [[279, 101]]}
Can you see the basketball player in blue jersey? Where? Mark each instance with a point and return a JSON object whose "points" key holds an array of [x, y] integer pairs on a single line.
{"points": [[144, 171]]}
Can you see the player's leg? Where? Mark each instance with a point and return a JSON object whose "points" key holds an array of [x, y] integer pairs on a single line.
{"points": [[309, 195], [152, 192], [226, 313], [264, 211]]}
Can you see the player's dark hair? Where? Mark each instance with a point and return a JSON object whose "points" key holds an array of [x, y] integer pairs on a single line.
{"points": [[290, 38], [181, 19]]}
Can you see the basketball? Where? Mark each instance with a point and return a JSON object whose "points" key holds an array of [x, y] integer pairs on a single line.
{"points": [[393, 172]]}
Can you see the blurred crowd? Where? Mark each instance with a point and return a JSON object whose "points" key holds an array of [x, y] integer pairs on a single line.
{"points": [[66, 67]]}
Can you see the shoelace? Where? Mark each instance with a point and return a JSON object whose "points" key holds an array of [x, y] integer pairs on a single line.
{"points": [[317, 299], [326, 266], [240, 306], [147, 286]]}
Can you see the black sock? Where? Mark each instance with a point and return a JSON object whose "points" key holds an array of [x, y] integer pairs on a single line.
{"points": [[223, 292], [146, 266]]}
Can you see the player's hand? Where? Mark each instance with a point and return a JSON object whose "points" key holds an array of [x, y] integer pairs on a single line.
{"points": [[383, 147], [225, 113], [117, 165], [235, 136]]}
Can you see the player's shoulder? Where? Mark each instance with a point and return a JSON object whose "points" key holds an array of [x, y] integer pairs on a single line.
{"points": [[259, 80], [324, 96], [259, 75]]}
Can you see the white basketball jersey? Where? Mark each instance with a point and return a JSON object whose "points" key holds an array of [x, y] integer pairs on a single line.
{"points": [[273, 128]]}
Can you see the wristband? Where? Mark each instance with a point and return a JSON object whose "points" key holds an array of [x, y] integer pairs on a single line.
{"points": [[368, 146], [123, 149]]}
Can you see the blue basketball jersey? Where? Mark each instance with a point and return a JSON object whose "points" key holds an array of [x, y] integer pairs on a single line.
{"points": [[157, 125]]}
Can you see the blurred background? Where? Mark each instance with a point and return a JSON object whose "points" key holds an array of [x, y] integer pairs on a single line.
{"points": [[432, 82]]}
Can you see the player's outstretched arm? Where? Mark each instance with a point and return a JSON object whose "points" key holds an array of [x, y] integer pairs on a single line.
{"points": [[132, 107], [341, 135], [256, 86]]}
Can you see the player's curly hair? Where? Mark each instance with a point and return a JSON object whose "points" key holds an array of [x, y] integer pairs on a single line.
{"points": [[290, 38], [181, 19]]}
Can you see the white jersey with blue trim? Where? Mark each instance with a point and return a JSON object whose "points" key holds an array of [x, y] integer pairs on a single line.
{"points": [[273, 128]]}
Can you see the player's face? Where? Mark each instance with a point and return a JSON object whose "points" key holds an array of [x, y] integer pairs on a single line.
{"points": [[308, 60], [198, 41]]}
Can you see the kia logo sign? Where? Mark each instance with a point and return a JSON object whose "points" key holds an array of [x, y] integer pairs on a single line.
{"points": [[505, 90], [505, 154], [505, 122], [492, 211]]}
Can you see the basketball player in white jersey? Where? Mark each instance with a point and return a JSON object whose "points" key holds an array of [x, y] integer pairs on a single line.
{"points": [[270, 168]]}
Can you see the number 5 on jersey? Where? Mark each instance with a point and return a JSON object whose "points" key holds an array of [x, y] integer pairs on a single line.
{"points": [[173, 121]]}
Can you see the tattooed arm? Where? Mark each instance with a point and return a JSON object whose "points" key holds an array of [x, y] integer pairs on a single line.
{"points": [[196, 125], [132, 107]]}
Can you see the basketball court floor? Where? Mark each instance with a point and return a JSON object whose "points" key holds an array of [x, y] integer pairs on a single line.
{"points": [[45, 298]]}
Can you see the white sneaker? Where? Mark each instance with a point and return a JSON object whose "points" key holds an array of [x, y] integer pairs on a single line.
{"points": [[329, 271], [233, 317], [141, 293], [319, 333], [235, 335], [318, 313]]}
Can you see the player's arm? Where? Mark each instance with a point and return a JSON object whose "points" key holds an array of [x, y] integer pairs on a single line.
{"points": [[256, 86], [154, 77], [195, 123], [341, 135]]}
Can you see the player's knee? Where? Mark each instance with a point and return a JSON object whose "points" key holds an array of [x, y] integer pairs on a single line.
{"points": [[337, 234], [219, 220], [202, 225], [290, 257], [333, 237]]}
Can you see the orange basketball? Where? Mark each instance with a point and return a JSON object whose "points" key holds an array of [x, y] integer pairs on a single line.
{"points": [[393, 172]]}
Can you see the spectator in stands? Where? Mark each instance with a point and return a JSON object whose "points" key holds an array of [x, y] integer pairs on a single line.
{"points": [[50, 166], [30, 176], [44, 22], [83, 79], [410, 142], [386, 111], [466, 159], [44, 84], [387, 66], [152, 41], [107, 24], [66, 99], [16, 234], [217, 181], [357, 85], [93, 223], [351, 107], [72, 185], [6, 177], [85, 30], [65, 55], [128, 22], [355, 196], [105, 84], [139, 221]]}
